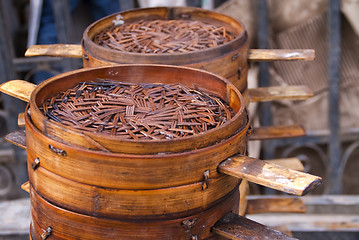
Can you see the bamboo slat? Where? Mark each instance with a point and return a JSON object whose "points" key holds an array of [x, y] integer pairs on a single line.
{"points": [[233, 226], [265, 94], [269, 175], [18, 88], [18, 138], [277, 132], [55, 50], [257, 55]]}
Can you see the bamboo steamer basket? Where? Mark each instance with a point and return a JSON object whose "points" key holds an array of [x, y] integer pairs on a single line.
{"points": [[66, 224], [149, 190], [226, 60], [150, 73], [127, 185]]}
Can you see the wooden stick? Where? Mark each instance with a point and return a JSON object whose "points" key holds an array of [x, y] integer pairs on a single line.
{"points": [[265, 94], [18, 88], [233, 226], [21, 120], [18, 138], [265, 204], [243, 192], [269, 175], [258, 55], [55, 50], [277, 132]]}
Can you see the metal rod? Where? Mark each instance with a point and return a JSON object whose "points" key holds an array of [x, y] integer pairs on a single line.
{"points": [[264, 81], [334, 93]]}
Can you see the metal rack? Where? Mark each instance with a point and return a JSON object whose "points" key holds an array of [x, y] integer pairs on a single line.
{"points": [[335, 136]]}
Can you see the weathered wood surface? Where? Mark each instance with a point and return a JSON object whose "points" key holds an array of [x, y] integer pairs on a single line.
{"points": [[265, 204], [55, 50], [292, 163], [257, 55], [235, 227], [244, 191], [276, 132], [18, 138], [70, 225], [269, 175], [21, 120], [265, 94], [18, 88]]}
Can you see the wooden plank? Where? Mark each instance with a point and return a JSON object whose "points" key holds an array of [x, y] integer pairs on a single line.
{"points": [[265, 204], [17, 138], [292, 163], [18, 88], [265, 94], [243, 192], [258, 55], [233, 226], [55, 50], [21, 120], [269, 175], [299, 222], [277, 132]]}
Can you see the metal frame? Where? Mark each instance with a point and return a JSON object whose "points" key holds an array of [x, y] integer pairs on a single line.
{"points": [[334, 136]]}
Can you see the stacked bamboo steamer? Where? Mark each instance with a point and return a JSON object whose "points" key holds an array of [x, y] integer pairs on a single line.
{"points": [[138, 195]]}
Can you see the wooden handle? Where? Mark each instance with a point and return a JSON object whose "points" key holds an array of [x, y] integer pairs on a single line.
{"points": [[233, 226], [258, 55], [265, 94], [55, 50], [277, 132], [269, 175], [18, 138], [18, 88]]}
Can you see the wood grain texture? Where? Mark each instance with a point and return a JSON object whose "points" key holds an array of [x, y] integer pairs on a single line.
{"points": [[235, 227], [257, 55], [18, 88], [160, 203], [265, 94], [277, 132], [264, 204], [18, 138], [269, 175], [55, 50], [292, 163], [71, 225]]}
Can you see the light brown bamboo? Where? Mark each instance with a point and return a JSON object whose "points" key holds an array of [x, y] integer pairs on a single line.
{"points": [[269, 175]]}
